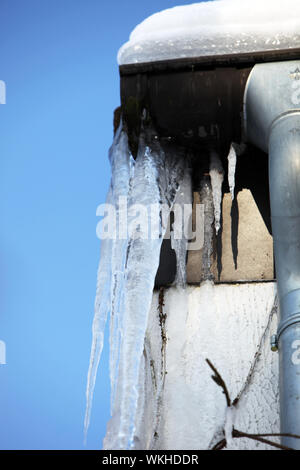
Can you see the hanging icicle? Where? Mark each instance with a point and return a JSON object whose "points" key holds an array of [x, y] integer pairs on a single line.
{"points": [[122, 164], [216, 173], [182, 222], [127, 273], [232, 157]]}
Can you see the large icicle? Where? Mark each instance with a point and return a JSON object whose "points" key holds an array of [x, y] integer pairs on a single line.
{"points": [[101, 310], [155, 182], [121, 167], [231, 169], [182, 219], [127, 272], [216, 173], [122, 175]]}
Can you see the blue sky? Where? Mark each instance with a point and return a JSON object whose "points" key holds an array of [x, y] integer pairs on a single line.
{"points": [[58, 60]]}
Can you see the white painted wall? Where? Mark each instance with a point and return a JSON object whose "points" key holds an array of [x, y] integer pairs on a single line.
{"points": [[226, 324]]}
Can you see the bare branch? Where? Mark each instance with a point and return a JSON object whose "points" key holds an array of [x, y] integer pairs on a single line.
{"points": [[219, 381]]}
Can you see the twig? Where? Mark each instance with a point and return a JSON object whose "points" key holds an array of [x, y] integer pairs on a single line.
{"points": [[219, 381], [220, 445], [278, 435], [239, 434], [257, 437]]}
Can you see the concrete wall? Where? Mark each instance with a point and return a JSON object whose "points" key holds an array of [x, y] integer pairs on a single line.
{"points": [[227, 317], [243, 250]]}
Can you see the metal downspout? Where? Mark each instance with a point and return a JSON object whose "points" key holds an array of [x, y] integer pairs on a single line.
{"points": [[272, 123]]}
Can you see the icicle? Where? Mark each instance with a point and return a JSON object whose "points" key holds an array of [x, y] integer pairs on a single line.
{"points": [[122, 175], [231, 169], [101, 310], [216, 173], [155, 181], [228, 425], [179, 238], [206, 198], [120, 162]]}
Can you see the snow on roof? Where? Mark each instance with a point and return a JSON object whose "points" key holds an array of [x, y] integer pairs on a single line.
{"points": [[213, 28]]}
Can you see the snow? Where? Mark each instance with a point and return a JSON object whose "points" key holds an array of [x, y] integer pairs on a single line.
{"points": [[127, 273], [216, 173], [214, 28]]}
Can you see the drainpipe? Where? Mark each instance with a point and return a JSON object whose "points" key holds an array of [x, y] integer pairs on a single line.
{"points": [[272, 123]]}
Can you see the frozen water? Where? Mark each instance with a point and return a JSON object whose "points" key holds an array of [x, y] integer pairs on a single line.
{"points": [[180, 235], [229, 423], [216, 173], [231, 169], [154, 182], [110, 266], [127, 272], [213, 28]]}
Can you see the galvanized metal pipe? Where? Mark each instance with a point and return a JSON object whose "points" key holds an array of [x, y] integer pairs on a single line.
{"points": [[272, 122], [284, 171]]}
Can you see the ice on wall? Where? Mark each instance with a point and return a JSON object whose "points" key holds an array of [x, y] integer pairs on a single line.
{"points": [[127, 273], [242, 318], [216, 173], [212, 28], [230, 414], [151, 396]]}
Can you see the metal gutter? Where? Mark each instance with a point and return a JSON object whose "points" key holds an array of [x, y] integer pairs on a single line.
{"points": [[247, 59]]}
